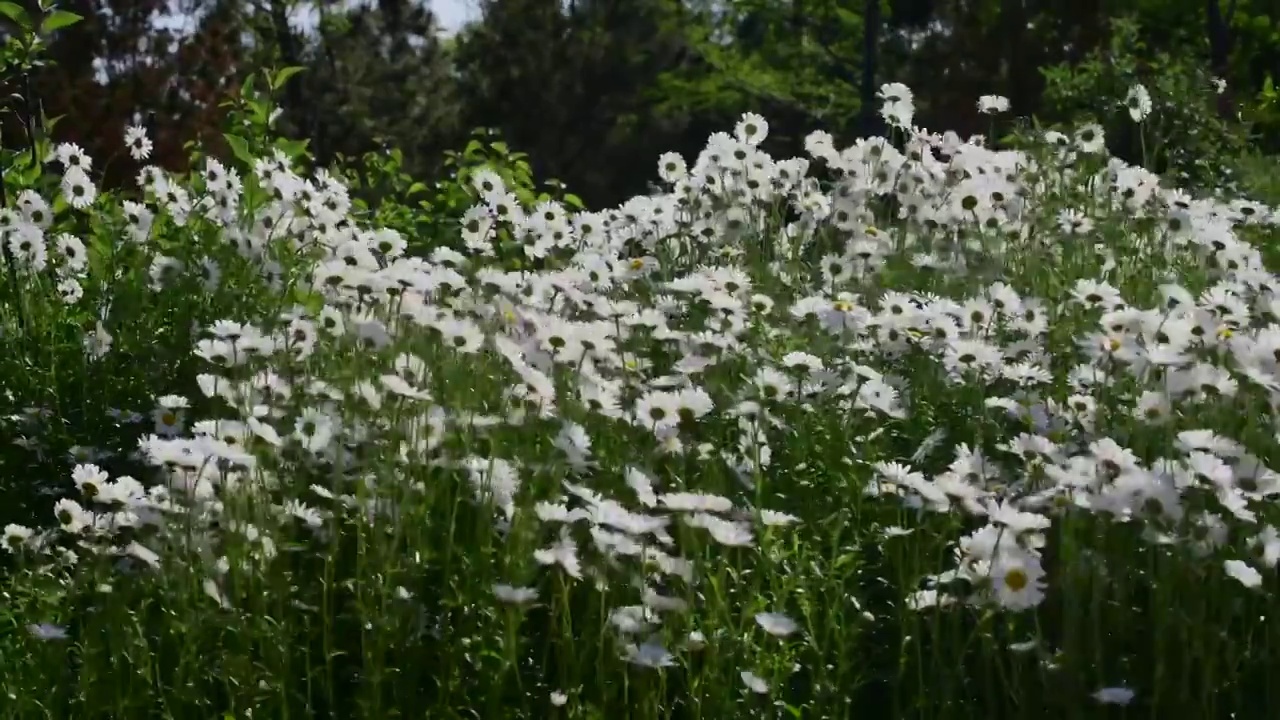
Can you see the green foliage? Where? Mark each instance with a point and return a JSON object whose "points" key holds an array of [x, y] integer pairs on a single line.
{"points": [[1258, 175], [17, 14], [1263, 113], [1186, 137], [373, 80], [25, 49], [429, 216], [801, 62], [586, 105]]}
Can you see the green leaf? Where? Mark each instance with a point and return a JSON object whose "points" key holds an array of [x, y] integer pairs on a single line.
{"points": [[260, 111], [239, 148], [282, 76], [246, 88], [57, 20], [14, 12], [292, 148], [31, 174]]}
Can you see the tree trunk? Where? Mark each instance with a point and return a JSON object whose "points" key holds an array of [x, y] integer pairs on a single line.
{"points": [[870, 48], [1218, 27], [1013, 24]]}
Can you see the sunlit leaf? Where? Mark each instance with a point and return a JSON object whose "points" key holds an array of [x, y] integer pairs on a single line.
{"points": [[14, 12], [57, 20]]}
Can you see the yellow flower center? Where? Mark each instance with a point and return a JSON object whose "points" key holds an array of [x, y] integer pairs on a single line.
{"points": [[1016, 579], [169, 418], [637, 264]]}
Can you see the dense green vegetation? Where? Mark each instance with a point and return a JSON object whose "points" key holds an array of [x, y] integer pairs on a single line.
{"points": [[640, 358]]}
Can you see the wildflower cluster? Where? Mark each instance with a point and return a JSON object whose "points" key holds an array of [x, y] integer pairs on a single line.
{"points": [[742, 429]]}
